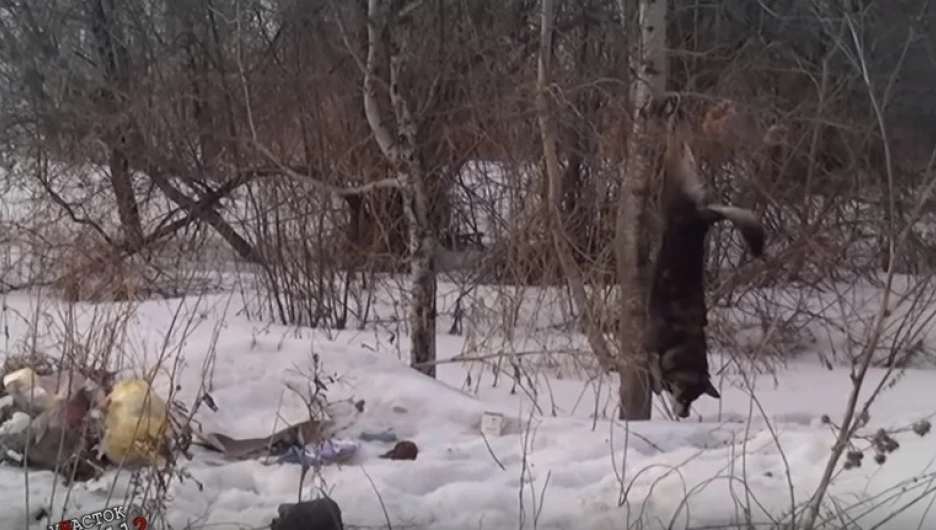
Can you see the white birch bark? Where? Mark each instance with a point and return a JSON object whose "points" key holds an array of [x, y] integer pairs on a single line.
{"points": [[630, 246], [412, 177]]}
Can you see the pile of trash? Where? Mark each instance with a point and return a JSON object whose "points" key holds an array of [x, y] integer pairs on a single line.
{"points": [[79, 425]]}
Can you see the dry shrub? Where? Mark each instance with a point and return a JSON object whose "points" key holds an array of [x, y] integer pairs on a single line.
{"points": [[90, 343], [306, 279], [719, 134], [91, 271], [526, 262], [718, 123], [41, 363]]}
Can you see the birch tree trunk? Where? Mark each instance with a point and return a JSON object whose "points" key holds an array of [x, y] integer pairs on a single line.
{"points": [[631, 246], [401, 150]]}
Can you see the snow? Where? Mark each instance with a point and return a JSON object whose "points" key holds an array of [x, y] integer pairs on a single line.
{"points": [[562, 462], [757, 453]]}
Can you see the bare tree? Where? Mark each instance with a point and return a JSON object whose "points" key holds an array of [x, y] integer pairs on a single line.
{"points": [[402, 151], [632, 248], [562, 243], [114, 59]]}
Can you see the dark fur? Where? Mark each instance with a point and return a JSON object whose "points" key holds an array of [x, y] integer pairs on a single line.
{"points": [[677, 312]]}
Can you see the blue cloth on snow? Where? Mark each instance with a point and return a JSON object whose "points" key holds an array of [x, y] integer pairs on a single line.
{"points": [[313, 455]]}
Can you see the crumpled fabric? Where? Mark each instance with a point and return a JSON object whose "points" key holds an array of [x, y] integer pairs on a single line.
{"points": [[315, 455]]}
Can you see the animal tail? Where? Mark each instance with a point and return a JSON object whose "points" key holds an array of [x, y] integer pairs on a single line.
{"points": [[745, 221]]}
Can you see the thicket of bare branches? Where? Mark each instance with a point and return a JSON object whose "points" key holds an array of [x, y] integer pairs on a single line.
{"points": [[315, 152], [150, 144]]}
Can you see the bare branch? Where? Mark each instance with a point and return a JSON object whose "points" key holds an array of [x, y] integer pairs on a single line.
{"points": [[322, 186]]}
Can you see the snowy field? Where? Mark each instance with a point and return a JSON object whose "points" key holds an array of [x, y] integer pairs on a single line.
{"points": [[746, 460], [556, 466]]}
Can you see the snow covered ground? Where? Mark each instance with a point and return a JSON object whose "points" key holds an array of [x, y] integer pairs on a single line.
{"points": [[745, 458]]}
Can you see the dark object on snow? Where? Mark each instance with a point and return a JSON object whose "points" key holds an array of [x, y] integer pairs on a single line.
{"points": [[318, 514], [405, 450], [677, 312], [41, 514]]}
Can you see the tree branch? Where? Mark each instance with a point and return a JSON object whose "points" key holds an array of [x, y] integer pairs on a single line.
{"points": [[340, 191]]}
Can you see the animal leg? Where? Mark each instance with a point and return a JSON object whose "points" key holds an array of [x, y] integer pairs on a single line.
{"points": [[656, 375]]}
